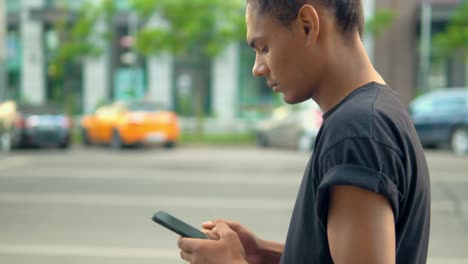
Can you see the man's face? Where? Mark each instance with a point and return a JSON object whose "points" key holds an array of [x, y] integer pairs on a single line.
{"points": [[280, 55]]}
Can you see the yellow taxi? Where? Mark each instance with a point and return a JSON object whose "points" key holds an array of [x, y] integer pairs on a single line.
{"points": [[8, 118], [131, 123]]}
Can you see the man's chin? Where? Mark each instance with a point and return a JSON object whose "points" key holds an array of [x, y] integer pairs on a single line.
{"points": [[291, 99]]}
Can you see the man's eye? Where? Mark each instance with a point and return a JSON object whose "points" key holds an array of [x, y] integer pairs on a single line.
{"points": [[264, 50]]}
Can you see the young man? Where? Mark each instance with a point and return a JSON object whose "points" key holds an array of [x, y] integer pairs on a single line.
{"points": [[365, 195]]}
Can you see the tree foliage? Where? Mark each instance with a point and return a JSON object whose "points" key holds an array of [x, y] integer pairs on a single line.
{"points": [[455, 37], [381, 20], [177, 26], [77, 39]]}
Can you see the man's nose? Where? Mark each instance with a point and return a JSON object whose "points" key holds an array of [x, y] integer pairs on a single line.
{"points": [[259, 69]]}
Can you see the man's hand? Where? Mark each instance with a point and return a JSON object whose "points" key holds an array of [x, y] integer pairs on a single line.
{"points": [[257, 251], [360, 227], [224, 247]]}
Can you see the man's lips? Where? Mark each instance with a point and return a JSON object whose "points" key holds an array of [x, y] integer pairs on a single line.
{"points": [[274, 86]]}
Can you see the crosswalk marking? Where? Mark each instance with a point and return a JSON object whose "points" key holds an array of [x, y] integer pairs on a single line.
{"points": [[177, 201], [144, 201], [7, 163], [133, 253], [88, 251]]}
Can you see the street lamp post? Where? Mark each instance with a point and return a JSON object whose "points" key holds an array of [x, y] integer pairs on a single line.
{"points": [[425, 44], [3, 29], [369, 11]]}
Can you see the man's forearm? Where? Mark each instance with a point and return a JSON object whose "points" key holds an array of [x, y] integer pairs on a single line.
{"points": [[270, 251]]}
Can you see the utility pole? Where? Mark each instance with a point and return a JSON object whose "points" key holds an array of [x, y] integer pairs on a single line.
{"points": [[368, 39], [3, 30], [425, 45]]}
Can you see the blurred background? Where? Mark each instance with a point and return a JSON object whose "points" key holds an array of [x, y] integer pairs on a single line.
{"points": [[112, 110]]}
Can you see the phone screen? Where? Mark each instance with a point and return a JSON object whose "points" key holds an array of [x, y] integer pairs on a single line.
{"points": [[177, 226]]}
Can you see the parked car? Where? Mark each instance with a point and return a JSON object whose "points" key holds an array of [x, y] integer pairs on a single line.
{"points": [[131, 123], [441, 118], [7, 125], [43, 125], [291, 126]]}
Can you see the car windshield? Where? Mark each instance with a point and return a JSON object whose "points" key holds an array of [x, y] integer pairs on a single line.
{"points": [[40, 110], [423, 104], [441, 102], [146, 106], [450, 103]]}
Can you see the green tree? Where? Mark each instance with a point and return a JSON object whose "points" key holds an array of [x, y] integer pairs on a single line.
{"points": [[195, 29], [454, 39], [381, 20], [77, 39]]}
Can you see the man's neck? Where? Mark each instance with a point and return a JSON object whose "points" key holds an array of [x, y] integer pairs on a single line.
{"points": [[349, 68]]}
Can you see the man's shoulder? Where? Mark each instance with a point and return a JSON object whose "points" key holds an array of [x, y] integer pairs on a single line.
{"points": [[372, 112], [353, 116]]}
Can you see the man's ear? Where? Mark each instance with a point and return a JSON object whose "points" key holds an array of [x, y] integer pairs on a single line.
{"points": [[309, 20]]}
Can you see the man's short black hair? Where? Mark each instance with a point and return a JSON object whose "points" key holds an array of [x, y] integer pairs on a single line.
{"points": [[348, 13]]}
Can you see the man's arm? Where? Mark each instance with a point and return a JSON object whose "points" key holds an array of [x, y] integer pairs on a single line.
{"points": [[360, 227], [270, 251]]}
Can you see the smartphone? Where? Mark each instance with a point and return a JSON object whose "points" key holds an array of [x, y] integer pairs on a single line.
{"points": [[178, 226]]}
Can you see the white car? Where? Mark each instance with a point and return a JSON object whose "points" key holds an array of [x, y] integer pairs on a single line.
{"points": [[291, 126]]}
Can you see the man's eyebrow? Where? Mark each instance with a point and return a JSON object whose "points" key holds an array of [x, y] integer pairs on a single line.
{"points": [[252, 43]]}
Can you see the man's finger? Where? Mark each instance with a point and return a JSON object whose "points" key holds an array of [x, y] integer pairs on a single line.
{"points": [[186, 244], [211, 235], [186, 256], [211, 224], [222, 229]]}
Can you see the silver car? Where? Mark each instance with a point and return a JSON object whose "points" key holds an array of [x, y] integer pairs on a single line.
{"points": [[290, 126]]}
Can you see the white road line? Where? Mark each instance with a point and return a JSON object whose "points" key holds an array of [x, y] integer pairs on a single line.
{"points": [[133, 253], [289, 178], [448, 206], [144, 201], [12, 163], [447, 261], [89, 251], [161, 176], [453, 177], [150, 201]]}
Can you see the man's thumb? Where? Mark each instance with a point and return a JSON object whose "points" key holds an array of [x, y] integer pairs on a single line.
{"points": [[222, 229]]}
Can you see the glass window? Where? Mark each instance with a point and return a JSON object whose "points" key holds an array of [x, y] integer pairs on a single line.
{"points": [[422, 105], [122, 4], [449, 103], [13, 6], [145, 106]]}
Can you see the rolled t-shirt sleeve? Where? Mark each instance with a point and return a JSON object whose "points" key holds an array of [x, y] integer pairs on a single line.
{"points": [[361, 163]]}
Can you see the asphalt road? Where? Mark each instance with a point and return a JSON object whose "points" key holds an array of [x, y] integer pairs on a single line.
{"points": [[94, 205]]}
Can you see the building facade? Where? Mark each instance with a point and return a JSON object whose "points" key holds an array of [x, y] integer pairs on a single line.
{"points": [[231, 95], [403, 53]]}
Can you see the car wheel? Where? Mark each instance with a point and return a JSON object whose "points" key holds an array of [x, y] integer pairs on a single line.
{"points": [[305, 142], [85, 137], [116, 142], [169, 145], [65, 145], [261, 140], [5, 142], [459, 141]]}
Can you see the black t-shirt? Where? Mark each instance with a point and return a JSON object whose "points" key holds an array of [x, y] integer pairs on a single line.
{"points": [[368, 141]]}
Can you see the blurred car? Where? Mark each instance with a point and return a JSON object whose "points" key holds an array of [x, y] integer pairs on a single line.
{"points": [[41, 126], [131, 123], [7, 125], [291, 126], [441, 118]]}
